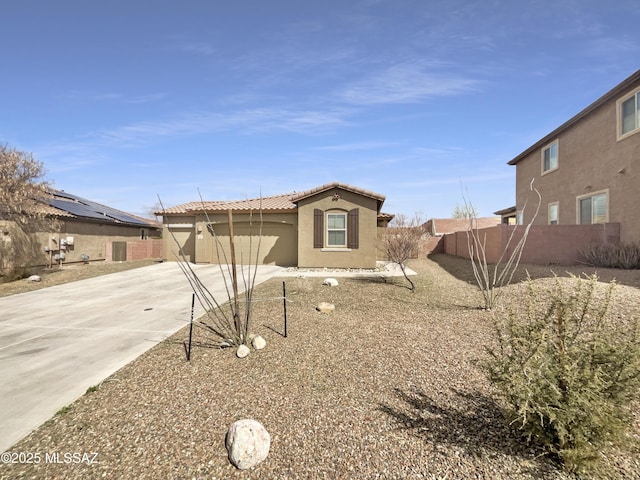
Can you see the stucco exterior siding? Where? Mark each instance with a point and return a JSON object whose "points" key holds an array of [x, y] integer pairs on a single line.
{"points": [[591, 159], [277, 241], [338, 200]]}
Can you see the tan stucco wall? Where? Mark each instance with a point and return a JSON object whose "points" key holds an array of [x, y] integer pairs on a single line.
{"points": [[277, 241], [362, 257], [91, 238], [590, 159], [178, 232]]}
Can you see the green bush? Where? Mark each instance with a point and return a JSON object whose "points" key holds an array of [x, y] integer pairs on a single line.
{"points": [[568, 371], [610, 255]]}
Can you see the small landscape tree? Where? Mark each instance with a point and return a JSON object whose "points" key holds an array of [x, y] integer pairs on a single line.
{"points": [[229, 320], [402, 241]]}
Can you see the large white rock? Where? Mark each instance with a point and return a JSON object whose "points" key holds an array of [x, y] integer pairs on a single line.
{"points": [[332, 282], [34, 278], [247, 443], [325, 307], [242, 351], [258, 342]]}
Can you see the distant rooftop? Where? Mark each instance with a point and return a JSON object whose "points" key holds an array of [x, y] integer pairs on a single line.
{"points": [[67, 205]]}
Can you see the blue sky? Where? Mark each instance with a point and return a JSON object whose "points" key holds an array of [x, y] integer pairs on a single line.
{"points": [[127, 100]]}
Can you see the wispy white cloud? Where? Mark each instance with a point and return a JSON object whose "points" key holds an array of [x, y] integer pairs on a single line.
{"points": [[259, 120], [407, 83]]}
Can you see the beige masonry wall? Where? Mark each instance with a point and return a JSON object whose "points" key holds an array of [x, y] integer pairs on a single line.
{"points": [[546, 244], [362, 257], [591, 160], [274, 245]]}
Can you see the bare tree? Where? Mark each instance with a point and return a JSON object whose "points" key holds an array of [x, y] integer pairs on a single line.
{"points": [[491, 279], [402, 241], [23, 192], [22, 186], [466, 211]]}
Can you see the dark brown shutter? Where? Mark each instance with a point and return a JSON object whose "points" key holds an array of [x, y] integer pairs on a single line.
{"points": [[353, 230], [318, 228]]}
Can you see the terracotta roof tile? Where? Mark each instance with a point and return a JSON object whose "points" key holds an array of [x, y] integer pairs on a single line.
{"points": [[344, 186], [440, 226], [285, 202], [276, 202]]}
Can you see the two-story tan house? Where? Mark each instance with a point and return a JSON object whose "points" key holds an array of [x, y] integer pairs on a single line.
{"points": [[588, 169], [334, 225]]}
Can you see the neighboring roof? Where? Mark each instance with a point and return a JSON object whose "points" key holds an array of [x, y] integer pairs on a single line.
{"points": [[66, 205], [613, 93], [506, 211], [440, 226], [277, 203]]}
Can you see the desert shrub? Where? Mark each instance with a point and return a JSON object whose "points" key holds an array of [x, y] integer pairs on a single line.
{"points": [[13, 274], [567, 370], [613, 255]]}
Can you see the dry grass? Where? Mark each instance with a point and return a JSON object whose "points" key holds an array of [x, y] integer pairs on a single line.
{"points": [[385, 387]]}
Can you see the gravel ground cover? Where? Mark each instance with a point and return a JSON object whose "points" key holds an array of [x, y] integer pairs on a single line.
{"points": [[385, 387]]}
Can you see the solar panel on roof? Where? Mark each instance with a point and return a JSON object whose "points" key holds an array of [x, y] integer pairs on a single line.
{"points": [[86, 208], [76, 209]]}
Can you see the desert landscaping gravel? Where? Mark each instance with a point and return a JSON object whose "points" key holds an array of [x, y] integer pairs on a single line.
{"points": [[387, 386]]}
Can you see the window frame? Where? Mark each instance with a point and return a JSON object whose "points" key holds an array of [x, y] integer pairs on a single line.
{"points": [[344, 215], [580, 198], [519, 218], [549, 146], [619, 112], [557, 215]]}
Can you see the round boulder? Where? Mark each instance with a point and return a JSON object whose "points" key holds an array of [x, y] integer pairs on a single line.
{"points": [[247, 443], [242, 351], [258, 342]]}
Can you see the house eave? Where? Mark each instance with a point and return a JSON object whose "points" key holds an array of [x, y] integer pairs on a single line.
{"points": [[614, 92]]}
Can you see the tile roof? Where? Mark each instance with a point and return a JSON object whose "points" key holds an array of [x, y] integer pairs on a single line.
{"points": [[344, 186], [440, 226], [273, 203], [284, 202]]}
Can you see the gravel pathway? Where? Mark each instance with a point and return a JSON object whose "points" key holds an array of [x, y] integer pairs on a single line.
{"points": [[385, 387]]}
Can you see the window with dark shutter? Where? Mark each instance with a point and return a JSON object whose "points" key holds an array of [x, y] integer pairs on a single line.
{"points": [[318, 228], [353, 231]]}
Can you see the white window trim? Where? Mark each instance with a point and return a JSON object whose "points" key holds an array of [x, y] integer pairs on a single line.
{"points": [[557, 205], [546, 147], [592, 194], [329, 245], [622, 136]]}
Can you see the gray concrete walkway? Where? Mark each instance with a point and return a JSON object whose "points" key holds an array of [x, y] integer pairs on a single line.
{"points": [[57, 342]]}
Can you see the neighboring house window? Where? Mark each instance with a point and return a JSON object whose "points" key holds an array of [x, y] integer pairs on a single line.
{"points": [[629, 114], [553, 213], [593, 209], [144, 234], [336, 230], [519, 218], [550, 157]]}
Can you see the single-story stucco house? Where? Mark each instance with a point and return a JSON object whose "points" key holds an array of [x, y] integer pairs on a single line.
{"points": [[335, 225]]}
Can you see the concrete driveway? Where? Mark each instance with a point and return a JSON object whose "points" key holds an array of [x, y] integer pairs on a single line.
{"points": [[57, 342]]}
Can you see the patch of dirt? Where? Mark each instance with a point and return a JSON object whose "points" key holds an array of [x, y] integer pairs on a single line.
{"points": [[68, 273]]}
